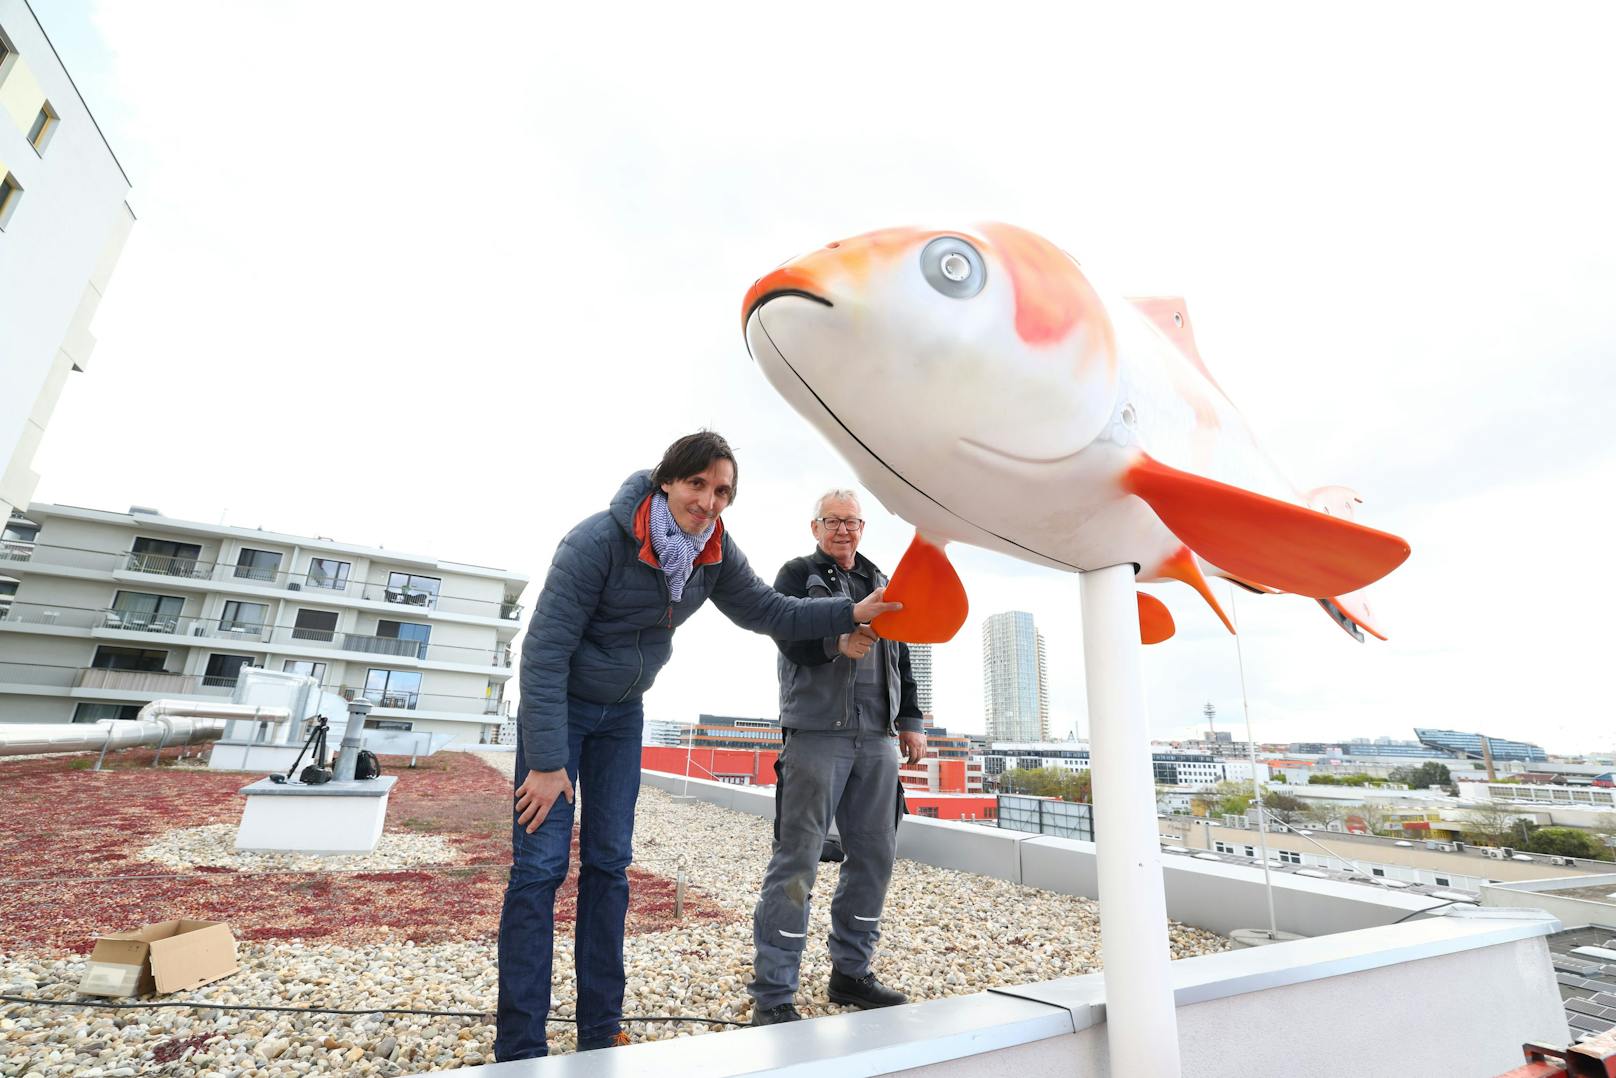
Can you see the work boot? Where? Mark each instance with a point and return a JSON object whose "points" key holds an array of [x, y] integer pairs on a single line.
{"points": [[864, 992], [773, 1016], [616, 1040]]}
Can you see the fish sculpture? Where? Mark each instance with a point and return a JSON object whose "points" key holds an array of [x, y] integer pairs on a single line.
{"points": [[989, 391]]}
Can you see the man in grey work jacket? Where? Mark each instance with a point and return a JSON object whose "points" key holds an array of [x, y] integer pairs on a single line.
{"points": [[843, 701]]}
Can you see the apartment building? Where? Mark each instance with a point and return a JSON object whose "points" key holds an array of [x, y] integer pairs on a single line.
{"points": [[101, 612], [63, 222]]}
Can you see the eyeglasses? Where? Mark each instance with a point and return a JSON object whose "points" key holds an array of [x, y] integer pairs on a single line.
{"points": [[831, 524]]}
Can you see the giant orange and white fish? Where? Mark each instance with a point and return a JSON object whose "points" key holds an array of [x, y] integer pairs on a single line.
{"points": [[989, 391]]}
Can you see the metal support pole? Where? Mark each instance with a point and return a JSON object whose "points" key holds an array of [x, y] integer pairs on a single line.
{"points": [[161, 741], [1141, 1018], [105, 745], [353, 739]]}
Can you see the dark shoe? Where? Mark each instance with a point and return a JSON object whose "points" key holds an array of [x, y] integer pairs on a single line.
{"points": [[773, 1016], [865, 991], [616, 1040]]}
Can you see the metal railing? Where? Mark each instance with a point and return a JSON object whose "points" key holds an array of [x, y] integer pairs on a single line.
{"points": [[167, 565], [504, 609]]}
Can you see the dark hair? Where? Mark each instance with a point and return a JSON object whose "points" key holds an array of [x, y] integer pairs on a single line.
{"points": [[694, 454]]}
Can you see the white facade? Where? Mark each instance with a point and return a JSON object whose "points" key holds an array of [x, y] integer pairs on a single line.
{"points": [[669, 733], [113, 610], [63, 222], [1015, 678], [920, 669]]}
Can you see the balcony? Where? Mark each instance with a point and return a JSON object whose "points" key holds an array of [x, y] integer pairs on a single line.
{"points": [[14, 551], [164, 565], [157, 682]]}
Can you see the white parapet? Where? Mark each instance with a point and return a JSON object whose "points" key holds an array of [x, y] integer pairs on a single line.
{"points": [[331, 818]]}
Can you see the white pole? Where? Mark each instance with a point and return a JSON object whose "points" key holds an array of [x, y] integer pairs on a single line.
{"points": [[1141, 1019]]}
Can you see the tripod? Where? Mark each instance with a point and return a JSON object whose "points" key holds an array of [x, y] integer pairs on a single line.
{"points": [[317, 772]]}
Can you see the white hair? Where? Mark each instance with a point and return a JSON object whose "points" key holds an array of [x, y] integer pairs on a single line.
{"points": [[836, 494]]}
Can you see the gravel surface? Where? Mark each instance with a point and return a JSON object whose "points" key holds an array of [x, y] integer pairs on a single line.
{"points": [[945, 933], [214, 846]]}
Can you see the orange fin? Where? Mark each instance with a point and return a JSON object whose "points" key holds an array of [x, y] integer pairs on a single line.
{"points": [[934, 604], [1263, 539], [1155, 622], [1181, 566], [1351, 612]]}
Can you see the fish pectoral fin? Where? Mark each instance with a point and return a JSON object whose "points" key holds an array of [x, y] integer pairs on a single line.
{"points": [[1182, 567], [934, 603], [1263, 539], [1351, 612], [1155, 620]]}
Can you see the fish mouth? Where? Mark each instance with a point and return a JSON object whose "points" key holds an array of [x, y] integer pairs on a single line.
{"points": [[756, 298], [894, 472], [989, 450]]}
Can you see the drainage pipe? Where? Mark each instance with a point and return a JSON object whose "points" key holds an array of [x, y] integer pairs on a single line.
{"points": [[170, 722]]}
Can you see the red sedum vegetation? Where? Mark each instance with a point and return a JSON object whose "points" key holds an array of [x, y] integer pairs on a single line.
{"points": [[65, 823]]}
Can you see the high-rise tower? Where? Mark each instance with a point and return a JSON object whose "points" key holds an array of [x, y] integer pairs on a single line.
{"points": [[1015, 678]]}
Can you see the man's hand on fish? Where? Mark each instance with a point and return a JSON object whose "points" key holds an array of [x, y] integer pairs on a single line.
{"points": [[857, 644], [873, 606]]}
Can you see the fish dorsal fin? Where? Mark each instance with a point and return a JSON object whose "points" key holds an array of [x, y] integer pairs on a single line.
{"points": [[934, 603], [1171, 315], [1263, 539]]}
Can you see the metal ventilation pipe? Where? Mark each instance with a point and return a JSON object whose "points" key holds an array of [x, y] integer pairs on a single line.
{"points": [[161, 723]]}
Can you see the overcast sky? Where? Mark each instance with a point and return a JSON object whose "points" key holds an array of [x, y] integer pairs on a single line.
{"points": [[438, 277]]}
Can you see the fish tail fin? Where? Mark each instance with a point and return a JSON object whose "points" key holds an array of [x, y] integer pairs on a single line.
{"points": [[934, 602], [1352, 613], [1155, 621]]}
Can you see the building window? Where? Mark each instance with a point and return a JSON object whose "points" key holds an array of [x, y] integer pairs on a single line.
{"points": [[307, 669], [97, 712], [257, 564], [1377, 872], [111, 658], [1441, 881], [1250, 852], [412, 637], [8, 589], [315, 625], [223, 671], [138, 611], [1290, 857], [10, 195], [1223, 847], [929, 811], [393, 688], [327, 573], [166, 557], [413, 590], [389, 724], [242, 617], [43, 127], [20, 531]]}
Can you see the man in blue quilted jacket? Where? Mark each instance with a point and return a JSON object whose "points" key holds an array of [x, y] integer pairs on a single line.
{"points": [[620, 584]]}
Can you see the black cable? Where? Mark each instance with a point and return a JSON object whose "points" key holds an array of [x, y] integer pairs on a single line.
{"points": [[201, 1004], [1428, 909]]}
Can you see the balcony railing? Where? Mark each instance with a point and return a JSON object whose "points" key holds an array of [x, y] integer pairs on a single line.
{"points": [[154, 681], [165, 565]]}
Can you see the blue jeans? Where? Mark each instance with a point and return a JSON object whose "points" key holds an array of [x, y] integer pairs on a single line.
{"points": [[603, 762]]}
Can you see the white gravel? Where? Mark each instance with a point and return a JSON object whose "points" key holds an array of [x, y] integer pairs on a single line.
{"points": [[945, 933], [214, 846]]}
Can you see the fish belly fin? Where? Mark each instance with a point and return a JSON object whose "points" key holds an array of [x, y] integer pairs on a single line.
{"points": [[1183, 568], [1352, 613], [1171, 315], [1263, 539], [1155, 620], [934, 603]]}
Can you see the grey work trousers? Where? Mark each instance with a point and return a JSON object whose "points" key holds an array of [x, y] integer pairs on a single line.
{"points": [[853, 778]]}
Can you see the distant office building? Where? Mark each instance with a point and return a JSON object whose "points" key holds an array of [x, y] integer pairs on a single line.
{"points": [[1358, 747], [665, 732], [1015, 678], [920, 667], [63, 222], [732, 732], [1468, 745], [1168, 768], [115, 610], [948, 767]]}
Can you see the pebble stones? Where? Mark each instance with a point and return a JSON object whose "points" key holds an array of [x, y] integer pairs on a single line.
{"points": [[944, 933], [214, 846]]}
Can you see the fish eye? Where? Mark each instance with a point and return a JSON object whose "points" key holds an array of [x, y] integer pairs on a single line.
{"points": [[953, 267]]}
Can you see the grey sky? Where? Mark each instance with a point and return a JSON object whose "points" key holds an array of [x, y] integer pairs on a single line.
{"points": [[440, 285]]}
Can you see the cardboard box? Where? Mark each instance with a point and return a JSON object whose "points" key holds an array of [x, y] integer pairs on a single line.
{"points": [[169, 957]]}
